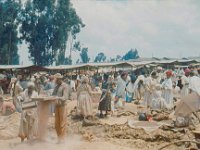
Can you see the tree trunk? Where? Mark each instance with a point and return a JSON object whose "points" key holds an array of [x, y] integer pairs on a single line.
{"points": [[9, 49]]}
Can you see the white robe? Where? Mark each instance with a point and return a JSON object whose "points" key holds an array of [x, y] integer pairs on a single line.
{"points": [[150, 88], [121, 87], [148, 91], [130, 87], [194, 84], [167, 93], [138, 89], [185, 82], [157, 101], [160, 77], [129, 91]]}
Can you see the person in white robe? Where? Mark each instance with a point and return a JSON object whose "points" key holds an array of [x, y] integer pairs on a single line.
{"points": [[149, 84], [29, 122], [167, 92], [130, 89], [84, 101], [194, 83], [159, 74], [121, 86], [158, 102], [185, 83], [139, 88]]}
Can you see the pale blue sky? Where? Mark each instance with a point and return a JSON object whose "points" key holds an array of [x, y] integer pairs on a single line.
{"points": [[162, 28]]}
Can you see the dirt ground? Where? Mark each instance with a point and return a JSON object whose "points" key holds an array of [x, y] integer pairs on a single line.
{"points": [[119, 132]]}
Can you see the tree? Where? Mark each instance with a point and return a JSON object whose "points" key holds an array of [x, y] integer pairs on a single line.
{"points": [[77, 61], [77, 46], [84, 55], [118, 58], [36, 30], [46, 26], [112, 59], [67, 24], [9, 10], [132, 54], [100, 57]]}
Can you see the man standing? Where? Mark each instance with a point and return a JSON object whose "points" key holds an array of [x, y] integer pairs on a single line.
{"points": [[17, 90], [50, 83], [139, 88], [194, 83], [62, 91], [185, 83], [150, 88], [167, 87], [121, 85]]}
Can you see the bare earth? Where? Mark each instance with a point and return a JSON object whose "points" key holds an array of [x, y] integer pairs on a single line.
{"points": [[113, 133]]}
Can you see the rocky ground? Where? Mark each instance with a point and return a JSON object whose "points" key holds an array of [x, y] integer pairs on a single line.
{"points": [[122, 131]]}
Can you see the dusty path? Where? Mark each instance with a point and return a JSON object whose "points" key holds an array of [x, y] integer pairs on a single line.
{"points": [[73, 143], [112, 133]]}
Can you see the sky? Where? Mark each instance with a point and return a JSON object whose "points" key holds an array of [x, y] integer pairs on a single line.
{"points": [[158, 28]]}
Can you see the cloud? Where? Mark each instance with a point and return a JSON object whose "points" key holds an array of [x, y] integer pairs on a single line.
{"points": [[163, 28], [168, 28]]}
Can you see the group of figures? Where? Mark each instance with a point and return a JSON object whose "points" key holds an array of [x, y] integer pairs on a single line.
{"points": [[156, 90]]}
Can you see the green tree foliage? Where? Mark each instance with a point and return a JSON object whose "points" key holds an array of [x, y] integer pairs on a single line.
{"points": [[77, 61], [67, 24], [132, 54], [100, 57], [36, 30], [112, 60], [84, 55], [46, 27], [118, 58], [9, 10], [77, 46]]}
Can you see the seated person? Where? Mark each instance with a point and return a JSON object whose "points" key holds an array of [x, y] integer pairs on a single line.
{"points": [[6, 105]]}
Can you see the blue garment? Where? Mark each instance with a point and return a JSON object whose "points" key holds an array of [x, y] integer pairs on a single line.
{"points": [[129, 97]]}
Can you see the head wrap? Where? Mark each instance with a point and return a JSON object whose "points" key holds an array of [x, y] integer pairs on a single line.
{"points": [[159, 68], [84, 79], [169, 73], [187, 70]]}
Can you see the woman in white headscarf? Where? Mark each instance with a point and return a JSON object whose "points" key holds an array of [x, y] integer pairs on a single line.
{"points": [[84, 102]]}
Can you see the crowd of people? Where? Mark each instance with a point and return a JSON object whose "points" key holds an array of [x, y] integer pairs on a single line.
{"points": [[158, 89]]}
